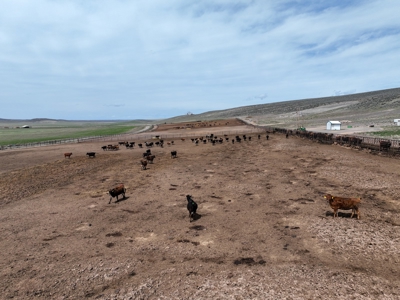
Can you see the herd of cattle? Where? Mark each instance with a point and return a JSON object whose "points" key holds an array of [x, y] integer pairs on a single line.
{"points": [[335, 202], [371, 143]]}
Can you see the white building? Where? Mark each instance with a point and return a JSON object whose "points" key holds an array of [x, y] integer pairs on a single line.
{"points": [[333, 125]]}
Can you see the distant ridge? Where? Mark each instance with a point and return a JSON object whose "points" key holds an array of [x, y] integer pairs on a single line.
{"points": [[388, 99], [364, 101], [33, 120], [36, 120]]}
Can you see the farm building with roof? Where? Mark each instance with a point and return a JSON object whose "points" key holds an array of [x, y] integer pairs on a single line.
{"points": [[333, 125]]}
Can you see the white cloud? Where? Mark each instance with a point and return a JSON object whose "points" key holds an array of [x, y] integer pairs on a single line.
{"points": [[165, 58]]}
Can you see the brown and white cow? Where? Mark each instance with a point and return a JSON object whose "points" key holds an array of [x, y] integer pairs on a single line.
{"points": [[115, 192], [144, 164], [337, 203]]}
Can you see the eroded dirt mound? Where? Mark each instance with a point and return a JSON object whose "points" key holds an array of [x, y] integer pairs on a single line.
{"points": [[201, 124]]}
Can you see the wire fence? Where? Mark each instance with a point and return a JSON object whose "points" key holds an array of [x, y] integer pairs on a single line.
{"points": [[127, 137]]}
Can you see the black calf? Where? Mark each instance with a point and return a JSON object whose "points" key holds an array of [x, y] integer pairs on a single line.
{"points": [[192, 207]]}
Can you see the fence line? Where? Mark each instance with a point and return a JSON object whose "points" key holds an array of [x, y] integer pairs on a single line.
{"points": [[125, 137], [367, 140]]}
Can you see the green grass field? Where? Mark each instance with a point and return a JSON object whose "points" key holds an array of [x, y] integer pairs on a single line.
{"points": [[59, 130], [389, 132]]}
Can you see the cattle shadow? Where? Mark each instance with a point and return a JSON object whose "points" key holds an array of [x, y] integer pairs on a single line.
{"points": [[196, 217], [120, 200], [340, 214]]}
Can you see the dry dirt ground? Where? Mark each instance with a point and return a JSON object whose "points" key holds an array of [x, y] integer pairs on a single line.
{"points": [[263, 229], [219, 124]]}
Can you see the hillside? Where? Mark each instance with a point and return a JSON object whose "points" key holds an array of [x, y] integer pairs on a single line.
{"points": [[357, 112], [377, 107]]}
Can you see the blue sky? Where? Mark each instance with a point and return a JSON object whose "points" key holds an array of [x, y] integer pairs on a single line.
{"points": [[120, 59]]}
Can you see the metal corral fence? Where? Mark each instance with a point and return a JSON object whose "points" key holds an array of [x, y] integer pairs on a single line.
{"points": [[365, 142], [129, 137]]}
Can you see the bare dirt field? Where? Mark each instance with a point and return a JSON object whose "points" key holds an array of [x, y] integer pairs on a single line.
{"points": [[263, 229]]}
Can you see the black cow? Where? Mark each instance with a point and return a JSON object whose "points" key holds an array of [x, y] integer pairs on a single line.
{"points": [[147, 153], [115, 192], [150, 158], [173, 154], [385, 145], [104, 148], [192, 207], [91, 154], [130, 145]]}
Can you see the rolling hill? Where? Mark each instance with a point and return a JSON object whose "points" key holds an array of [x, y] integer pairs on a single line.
{"points": [[376, 107]]}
